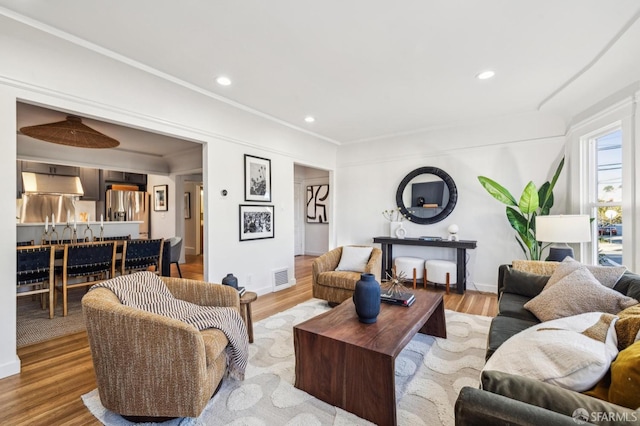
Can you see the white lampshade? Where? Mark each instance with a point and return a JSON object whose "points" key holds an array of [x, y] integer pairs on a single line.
{"points": [[570, 228]]}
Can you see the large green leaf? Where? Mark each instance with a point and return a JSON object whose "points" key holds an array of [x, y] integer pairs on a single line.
{"points": [[497, 191], [547, 202], [524, 249], [545, 193], [529, 240], [517, 220], [529, 200]]}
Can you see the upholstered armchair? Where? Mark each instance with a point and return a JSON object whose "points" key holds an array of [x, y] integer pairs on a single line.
{"points": [[337, 286], [151, 366]]}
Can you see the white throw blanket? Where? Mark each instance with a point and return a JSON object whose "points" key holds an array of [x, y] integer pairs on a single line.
{"points": [[146, 291]]}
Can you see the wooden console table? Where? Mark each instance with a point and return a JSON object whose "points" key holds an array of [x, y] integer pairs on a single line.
{"points": [[460, 246]]}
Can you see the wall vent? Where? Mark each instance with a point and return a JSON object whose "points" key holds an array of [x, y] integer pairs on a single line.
{"points": [[281, 279]]}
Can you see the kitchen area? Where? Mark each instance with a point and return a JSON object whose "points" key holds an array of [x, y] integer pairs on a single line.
{"points": [[66, 203]]}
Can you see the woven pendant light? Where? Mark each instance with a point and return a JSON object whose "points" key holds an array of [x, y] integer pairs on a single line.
{"points": [[70, 132]]}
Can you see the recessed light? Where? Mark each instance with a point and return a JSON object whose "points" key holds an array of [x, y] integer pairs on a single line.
{"points": [[223, 81], [484, 75], [309, 119]]}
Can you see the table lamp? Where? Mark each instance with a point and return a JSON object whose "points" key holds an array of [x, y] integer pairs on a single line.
{"points": [[560, 230]]}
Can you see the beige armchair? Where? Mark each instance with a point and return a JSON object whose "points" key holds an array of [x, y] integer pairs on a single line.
{"points": [[337, 286], [152, 367]]}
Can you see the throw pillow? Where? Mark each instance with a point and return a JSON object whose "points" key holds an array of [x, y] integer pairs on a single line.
{"points": [[628, 327], [354, 258], [573, 353], [523, 283], [608, 276], [625, 378], [577, 293], [538, 267]]}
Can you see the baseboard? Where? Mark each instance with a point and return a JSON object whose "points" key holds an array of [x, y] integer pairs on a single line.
{"points": [[484, 288], [10, 368], [313, 253]]}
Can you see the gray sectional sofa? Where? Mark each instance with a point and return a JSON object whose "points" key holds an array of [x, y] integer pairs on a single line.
{"points": [[506, 399]]}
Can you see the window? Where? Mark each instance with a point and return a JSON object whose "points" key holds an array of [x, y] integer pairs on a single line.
{"points": [[606, 195]]}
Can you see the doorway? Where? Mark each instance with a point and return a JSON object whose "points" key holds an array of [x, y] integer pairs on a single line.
{"points": [[311, 227]]}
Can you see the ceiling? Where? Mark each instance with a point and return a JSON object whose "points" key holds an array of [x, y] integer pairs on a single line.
{"points": [[369, 69], [131, 140]]}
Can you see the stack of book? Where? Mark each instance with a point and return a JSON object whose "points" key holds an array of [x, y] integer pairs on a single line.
{"points": [[241, 291], [402, 299]]}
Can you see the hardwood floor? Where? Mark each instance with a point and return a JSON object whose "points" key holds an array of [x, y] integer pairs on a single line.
{"points": [[56, 373]]}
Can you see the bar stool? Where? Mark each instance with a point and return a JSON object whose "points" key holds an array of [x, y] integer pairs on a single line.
{"points": [[440, 272], [411, 267]]}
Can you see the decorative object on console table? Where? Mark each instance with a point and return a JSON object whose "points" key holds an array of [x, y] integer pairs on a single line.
{"points": [[257, 178], [161, 198], [453, 232], [560, 230], [393, 229], [256, 222], [366, 298], [395, 218]]}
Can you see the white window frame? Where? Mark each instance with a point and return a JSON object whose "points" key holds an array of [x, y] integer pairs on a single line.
{"points": [[622, 115], [593, 204]]}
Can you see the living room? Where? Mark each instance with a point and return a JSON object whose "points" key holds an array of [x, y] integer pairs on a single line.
{"points": [[524, 139]]}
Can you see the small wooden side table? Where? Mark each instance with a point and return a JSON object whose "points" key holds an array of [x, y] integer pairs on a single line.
{"points": [[245, 311]]}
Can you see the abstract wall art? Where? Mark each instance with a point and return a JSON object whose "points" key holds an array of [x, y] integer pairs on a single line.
{"points": [[318, 204]]}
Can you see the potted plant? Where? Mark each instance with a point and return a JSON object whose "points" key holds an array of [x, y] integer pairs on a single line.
{"points": [[522, 213]]}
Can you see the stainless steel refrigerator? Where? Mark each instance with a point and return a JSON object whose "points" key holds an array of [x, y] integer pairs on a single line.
{"points": [[129, 206]]}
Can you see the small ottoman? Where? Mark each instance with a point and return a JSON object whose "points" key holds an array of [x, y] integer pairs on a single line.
{"points": [[411, 267], [440, 272]]}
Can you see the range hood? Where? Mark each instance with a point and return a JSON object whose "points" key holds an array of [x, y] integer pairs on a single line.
{"points": [[38, 183]]}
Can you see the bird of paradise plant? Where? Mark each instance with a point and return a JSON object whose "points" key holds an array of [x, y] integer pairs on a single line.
{"points": [[522, 213]]}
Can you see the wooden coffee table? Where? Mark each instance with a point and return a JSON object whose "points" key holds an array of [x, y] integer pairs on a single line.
{"points": [[352, 365]]}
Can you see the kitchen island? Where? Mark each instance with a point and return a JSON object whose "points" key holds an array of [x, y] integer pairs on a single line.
{"points": [[34, 231]]}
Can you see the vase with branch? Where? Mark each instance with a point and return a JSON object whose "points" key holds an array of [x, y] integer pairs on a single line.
{"points": [[522, 214], [395, 218]]}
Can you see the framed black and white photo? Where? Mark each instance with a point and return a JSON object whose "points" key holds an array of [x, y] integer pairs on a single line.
{"points": [[257, 178], [161, 198], [256, 222], [187, 205], [318, 204]]}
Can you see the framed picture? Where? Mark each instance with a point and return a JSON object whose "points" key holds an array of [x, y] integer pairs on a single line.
{"points": [[256, 222], [187, 205], [317, 204], [161, 198], [257, 178]]}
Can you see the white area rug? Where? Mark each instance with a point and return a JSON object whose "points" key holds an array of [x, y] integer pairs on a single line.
{"points": [[429, 375]]}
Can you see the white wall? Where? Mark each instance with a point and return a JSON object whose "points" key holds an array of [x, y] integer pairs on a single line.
{"points": [[514, 153], [47, 71], [163, 224], [9, 362]]}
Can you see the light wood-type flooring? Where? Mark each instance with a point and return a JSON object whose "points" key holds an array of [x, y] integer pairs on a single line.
{"points": [[57, 372]]}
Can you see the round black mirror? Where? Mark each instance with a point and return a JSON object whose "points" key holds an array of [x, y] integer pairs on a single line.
{"points": [[427, 195]]}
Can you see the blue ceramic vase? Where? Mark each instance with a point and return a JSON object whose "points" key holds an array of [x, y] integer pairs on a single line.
{"points": [[230, 280], [366, 297]]}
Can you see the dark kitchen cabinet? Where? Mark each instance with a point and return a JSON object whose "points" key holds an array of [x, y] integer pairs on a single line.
{"points": [[50, 169], [90, 179], [114, 176]]}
